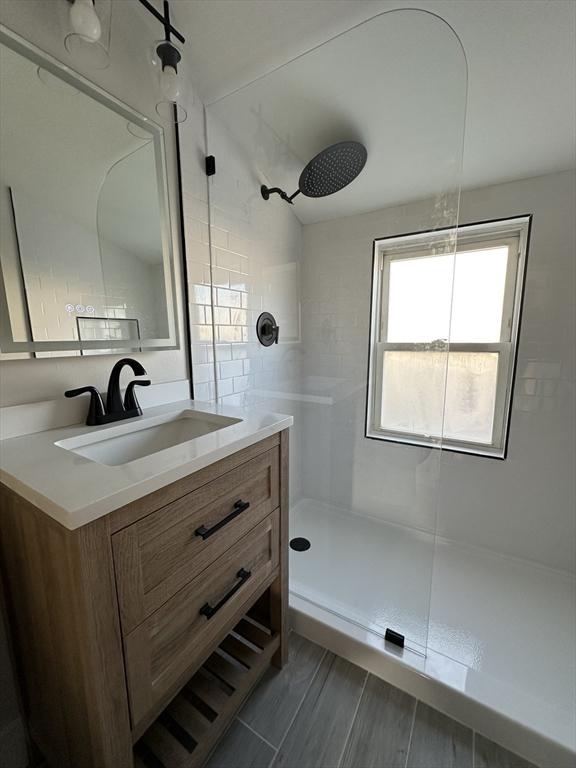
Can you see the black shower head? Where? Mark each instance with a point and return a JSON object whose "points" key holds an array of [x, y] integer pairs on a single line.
{"points": [[332, 169], [328, 172]]}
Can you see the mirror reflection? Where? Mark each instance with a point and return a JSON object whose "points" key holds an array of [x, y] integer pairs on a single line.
{"points": [[84, 250]]}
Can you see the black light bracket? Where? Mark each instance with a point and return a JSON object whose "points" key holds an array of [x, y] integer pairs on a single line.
{"points": [[169, 55], [164, 19], [267, 191]]}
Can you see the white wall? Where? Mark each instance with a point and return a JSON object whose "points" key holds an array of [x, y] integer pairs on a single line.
{"points": [[129, 78], [523, 506]]}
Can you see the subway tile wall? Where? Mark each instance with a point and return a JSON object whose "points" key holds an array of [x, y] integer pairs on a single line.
{"points": [[243, 257]]}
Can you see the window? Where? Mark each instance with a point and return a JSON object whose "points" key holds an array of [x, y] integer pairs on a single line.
{"points": [[444, 330]]}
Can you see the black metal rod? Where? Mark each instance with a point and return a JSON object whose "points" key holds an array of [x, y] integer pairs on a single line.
{"points": [[165, 21]]}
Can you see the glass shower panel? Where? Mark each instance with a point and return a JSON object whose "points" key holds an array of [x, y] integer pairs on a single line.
{"points": [[397, 84]]}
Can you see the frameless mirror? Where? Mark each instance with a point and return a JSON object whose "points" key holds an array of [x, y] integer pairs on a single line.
{"points": [[85, 244]]}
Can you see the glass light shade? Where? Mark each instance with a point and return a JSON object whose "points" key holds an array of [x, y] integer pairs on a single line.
{"points": [[171, 112], [170, 84], [88, 36], [85, 21], [139, 132], [172, 87]]}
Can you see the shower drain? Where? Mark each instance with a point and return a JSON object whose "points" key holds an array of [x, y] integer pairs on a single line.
{"points": [[300, 544]]}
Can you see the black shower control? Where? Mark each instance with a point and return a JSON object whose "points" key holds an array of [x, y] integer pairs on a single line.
{"points": [[267, 329]]}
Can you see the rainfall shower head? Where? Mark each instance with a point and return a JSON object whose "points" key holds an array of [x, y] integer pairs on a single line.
{"points": [[328, 172], [332, 169]]}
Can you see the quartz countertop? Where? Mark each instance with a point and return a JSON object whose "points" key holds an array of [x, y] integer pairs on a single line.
{"points": [[75, 490]]}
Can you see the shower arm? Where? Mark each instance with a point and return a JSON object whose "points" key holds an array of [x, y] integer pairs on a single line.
{"points": [[267, 191]]}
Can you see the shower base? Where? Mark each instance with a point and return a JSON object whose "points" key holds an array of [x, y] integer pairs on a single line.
{"points": [[501, 631]]}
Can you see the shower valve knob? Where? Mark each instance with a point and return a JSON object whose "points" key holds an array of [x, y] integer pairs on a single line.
{"points": [[267, 329]]}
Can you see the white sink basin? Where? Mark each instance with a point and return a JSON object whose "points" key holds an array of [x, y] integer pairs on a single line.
{"points": [[137, 439]]}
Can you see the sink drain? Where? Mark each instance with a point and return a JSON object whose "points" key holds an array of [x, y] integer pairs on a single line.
{"points": [[300, 544]]}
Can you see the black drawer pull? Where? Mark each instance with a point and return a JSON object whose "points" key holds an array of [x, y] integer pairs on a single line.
{"points": [[209, 610], [239, 507]]}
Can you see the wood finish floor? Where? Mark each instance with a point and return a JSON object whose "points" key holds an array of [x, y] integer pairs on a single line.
{"points": [[321, 711]]}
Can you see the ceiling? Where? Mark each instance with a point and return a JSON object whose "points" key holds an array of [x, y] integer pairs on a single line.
{"points": [[373, 85], [521, 114]]}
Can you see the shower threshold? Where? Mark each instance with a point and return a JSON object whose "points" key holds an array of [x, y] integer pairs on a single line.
{"points": [[485, 656]]}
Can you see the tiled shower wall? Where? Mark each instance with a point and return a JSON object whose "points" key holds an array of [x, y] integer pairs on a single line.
{"points": [[253, 255], [243, 258], [483, 502]]}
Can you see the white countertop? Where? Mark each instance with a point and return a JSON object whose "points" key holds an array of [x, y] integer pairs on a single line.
{"points": [[75, 490]]}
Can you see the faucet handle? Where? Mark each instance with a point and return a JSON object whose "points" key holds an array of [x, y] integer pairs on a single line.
{"points": [[96, 409], [130, 400]]}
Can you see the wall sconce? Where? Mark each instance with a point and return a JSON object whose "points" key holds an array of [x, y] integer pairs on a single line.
{"points": [[88, 41], [166, 58]]}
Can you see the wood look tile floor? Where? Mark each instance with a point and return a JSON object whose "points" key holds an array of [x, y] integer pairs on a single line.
{"points": [[321, 711]]}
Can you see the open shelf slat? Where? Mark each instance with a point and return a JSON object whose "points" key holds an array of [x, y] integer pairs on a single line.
{"points": [[189, 728]]}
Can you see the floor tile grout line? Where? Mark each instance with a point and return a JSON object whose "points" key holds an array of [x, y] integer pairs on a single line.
{"points": [[255, 732], [299, 707], [409, 747], [353, 720]]}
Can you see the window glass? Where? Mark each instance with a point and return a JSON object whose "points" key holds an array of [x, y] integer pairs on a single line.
{"points": [[478, 296], [444, 332], [420, 290], [431, 299], [413, 394]]}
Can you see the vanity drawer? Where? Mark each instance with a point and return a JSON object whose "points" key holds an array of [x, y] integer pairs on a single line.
{"points": [[161, 553], [167, 647]]}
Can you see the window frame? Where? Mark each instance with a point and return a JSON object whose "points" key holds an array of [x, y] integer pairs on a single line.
{"points": [[512, 231]]}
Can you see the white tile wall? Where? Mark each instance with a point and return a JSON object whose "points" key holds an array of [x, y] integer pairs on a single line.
{"points": [[523, 506], [239, 250]]}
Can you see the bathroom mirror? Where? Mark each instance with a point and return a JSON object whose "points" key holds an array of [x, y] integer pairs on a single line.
{"points": [[85, 245]]}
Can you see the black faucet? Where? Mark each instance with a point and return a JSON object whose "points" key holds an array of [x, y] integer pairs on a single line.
{"points": [[116, 409]]}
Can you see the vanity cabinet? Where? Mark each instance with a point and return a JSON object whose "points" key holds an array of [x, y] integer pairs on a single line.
{"points": [[139, 635]]}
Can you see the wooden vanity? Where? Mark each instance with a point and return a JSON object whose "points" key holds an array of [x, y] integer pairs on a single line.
{"points": [[138, 635]]}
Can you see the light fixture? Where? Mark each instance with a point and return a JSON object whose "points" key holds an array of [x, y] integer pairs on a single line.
{"points": [[85, 21], [166, 58], [169, 107], [88, 40]]}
